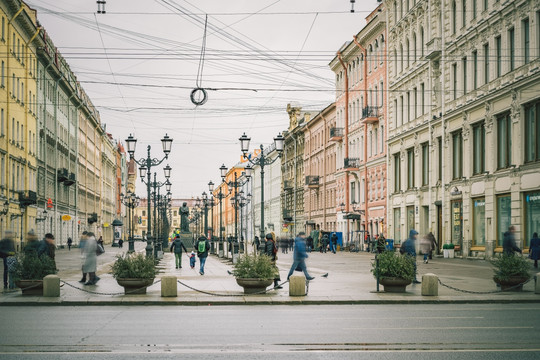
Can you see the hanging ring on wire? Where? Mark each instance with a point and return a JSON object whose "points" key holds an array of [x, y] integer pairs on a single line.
{"points": [[197, 100]]}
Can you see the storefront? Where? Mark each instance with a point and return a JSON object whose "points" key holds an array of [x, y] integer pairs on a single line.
{"points": [[479, 223], [504, 217], [531, 215]]}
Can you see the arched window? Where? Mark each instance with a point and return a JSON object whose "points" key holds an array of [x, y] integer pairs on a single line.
{"points": [[414, 48], [376, 96], [421, 41], [401, 57], [370, 57], [381, 46], [407, 52], [376, 54], [454, 14], [361, 67]]}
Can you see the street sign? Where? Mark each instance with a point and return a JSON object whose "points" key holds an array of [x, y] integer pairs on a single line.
{"points": [[66, 217]]}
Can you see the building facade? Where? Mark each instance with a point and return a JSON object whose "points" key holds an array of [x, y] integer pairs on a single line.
{"points": [[320, 162], [463, 132]]}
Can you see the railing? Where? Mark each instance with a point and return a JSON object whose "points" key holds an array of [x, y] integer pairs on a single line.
{"points": [[336, 133], [287, 184], [351, 163], [370, 112], [433, 48], [27, 198], [62, 174], [312, 180]]}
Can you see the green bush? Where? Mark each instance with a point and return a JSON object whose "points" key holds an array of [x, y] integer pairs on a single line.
{"points": [[394, 265], [448, 246], [508, 266], [134, 266], [254, 267], [30, 266]]}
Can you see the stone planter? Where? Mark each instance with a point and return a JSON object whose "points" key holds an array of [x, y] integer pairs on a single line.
{"points": [[30, 287], [135, 286], [511, 282], [252, 286], [448, 253], [394, 285]]}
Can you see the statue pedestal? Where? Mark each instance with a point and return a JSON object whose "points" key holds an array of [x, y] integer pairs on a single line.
{"points": [[187, 239]]}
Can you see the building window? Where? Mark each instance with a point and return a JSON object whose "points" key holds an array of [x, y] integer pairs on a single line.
{"points": [[397, 173], [395, 114], [421, 41], [512, 48], [454, 15], [464, 81], [422, 99], [532, 132], [353, 192], [504, 136], [486, 4], [486, 63], [408, 106], [439, 151], [498, 55], [457, 155], [479, 223], [410, 168], [532, 216], [526, 40], [414, 48], [504, 218], [463, 13], [382, 94], [475, 69], [2, 123], [474, 9], [3, 28], [454, 79], [397, 225], [425, 164], [479, 142]]}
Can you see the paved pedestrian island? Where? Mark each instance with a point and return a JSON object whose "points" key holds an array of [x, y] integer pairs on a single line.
{"points": [[349, 281]]}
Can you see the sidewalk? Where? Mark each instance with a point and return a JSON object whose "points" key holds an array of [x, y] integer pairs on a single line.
{"points": [[349, 282]]}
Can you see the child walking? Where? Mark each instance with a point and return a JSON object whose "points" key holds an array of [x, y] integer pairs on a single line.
{"points": [[192, 259]]}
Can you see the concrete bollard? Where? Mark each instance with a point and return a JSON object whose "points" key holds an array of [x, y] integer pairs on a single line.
{"points": [[169, 286], [537, 283], [297, 285], [430, 285], [51, 286]]}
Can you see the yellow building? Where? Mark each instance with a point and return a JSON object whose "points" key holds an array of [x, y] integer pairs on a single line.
{"points": [[18, 44]]}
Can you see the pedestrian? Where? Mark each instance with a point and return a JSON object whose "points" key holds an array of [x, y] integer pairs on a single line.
{"points": [[48, 247], [309, 243], [381, 243], [192, 259], [315, 234], [409, 248], [7, 252], [534, 249], [434, 244], [82, 243], [284, 245], [270, 249], [509, 242], [202, 245], [100, 242], [324, 243], [291, 244], [299, 256], [257, 243], [121, 243], [425, 246], [177, 245], [32, 243], [333, 242], [90, 259]]}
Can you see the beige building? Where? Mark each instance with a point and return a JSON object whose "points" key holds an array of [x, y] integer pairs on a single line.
{"points": [[463, 135]]}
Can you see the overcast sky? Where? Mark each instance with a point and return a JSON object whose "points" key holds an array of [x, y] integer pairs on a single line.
{"points": [[139, 63]]}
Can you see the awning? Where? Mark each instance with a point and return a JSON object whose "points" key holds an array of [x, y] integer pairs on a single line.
{"points": [[352, 217], [117, 222]]}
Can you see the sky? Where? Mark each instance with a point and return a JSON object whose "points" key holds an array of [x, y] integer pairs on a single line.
{"points": [[140, 61]]}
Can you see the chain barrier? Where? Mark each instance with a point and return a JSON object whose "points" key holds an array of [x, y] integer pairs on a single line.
{"points": [[484, 292], [232, 295], [9, 291], [110, 294]]}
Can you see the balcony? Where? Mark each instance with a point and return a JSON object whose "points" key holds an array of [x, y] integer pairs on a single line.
{"points": [[288, 185], [370, 114], [433, 49], [62, 175], [70, 180], [351, 164], [287, 215], [312, 181], [336, 134], [27, 198]]}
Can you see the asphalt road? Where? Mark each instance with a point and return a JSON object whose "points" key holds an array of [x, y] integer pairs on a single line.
{"points": [[417, 332]]}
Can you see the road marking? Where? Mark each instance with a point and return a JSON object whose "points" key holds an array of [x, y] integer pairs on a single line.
{"points": [[443, 328]]}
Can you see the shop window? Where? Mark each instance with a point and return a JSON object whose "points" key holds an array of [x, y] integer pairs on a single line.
{"points": [[479, 223], [504, 218]]}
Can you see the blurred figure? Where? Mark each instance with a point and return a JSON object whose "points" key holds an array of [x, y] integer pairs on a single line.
{"points": [[257, 243], [409, 247], [7, 253], [32, 243], [82, 244], [534, 249], [48, 247], [270, 249], [309, 243], [315, 235], [333, 242], [202, 245], [69, 243], [121, 243], [300, 256], [324, 243], [434, 244], [90, 259], [284, 245], [509, 242], [425, 246], [291, 244], [100, 242], [381, 243]]}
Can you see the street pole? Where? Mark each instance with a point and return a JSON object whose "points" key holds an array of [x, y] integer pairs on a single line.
{"points": [[262, 193], [149, 217]]}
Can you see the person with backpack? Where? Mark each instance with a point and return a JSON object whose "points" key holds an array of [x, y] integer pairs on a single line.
{"points": [[270, 250], [202, 245], [177, 245]]}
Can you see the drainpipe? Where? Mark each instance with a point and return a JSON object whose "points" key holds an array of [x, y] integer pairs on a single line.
{"points": [[364, 51], [441, 64], [327, 136], [346, 136]]}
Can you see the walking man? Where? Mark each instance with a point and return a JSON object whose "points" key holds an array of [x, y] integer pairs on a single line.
{"points": [[509, 242], [299, 256], [409, 247], [202, 245], [270, 249], [177, 245]]}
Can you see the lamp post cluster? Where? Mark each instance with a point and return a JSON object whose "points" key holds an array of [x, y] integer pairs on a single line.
{"points": [[156, 187], [145, 167], [163, 203], [131, 201]]}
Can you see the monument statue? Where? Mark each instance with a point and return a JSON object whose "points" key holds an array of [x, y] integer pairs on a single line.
{"points": [[184, 213]]}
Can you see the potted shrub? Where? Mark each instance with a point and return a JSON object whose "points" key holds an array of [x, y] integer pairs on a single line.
{"points": [[29, 271], [394, 271], [134, 272], [448, 251], [511, 271], [254, 273]]}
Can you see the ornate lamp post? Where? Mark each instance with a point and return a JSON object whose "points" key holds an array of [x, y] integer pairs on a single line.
{"points": [[262, 161], [205, 205], [156, 186], [146, 165], [220, 196], [131, 201]]}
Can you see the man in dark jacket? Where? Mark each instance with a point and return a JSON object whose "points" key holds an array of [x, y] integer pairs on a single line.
{"points": [[409, 247], [177, 245], [202, 246], [270, 249], [509, 242], [48, 247], [299, 256], [7, 249], [333, 242]]}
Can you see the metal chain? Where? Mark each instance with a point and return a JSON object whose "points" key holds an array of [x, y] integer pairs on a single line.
{"points": [[17, 289], [112, 294], [231, 295], [484, 292]]}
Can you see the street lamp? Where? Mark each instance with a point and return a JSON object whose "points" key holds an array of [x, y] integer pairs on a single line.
{"points": [[145, 167], [262, 161], [131, 201], [220, 196]]}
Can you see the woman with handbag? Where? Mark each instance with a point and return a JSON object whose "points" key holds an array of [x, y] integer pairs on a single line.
{"points": [[270, 249]]}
